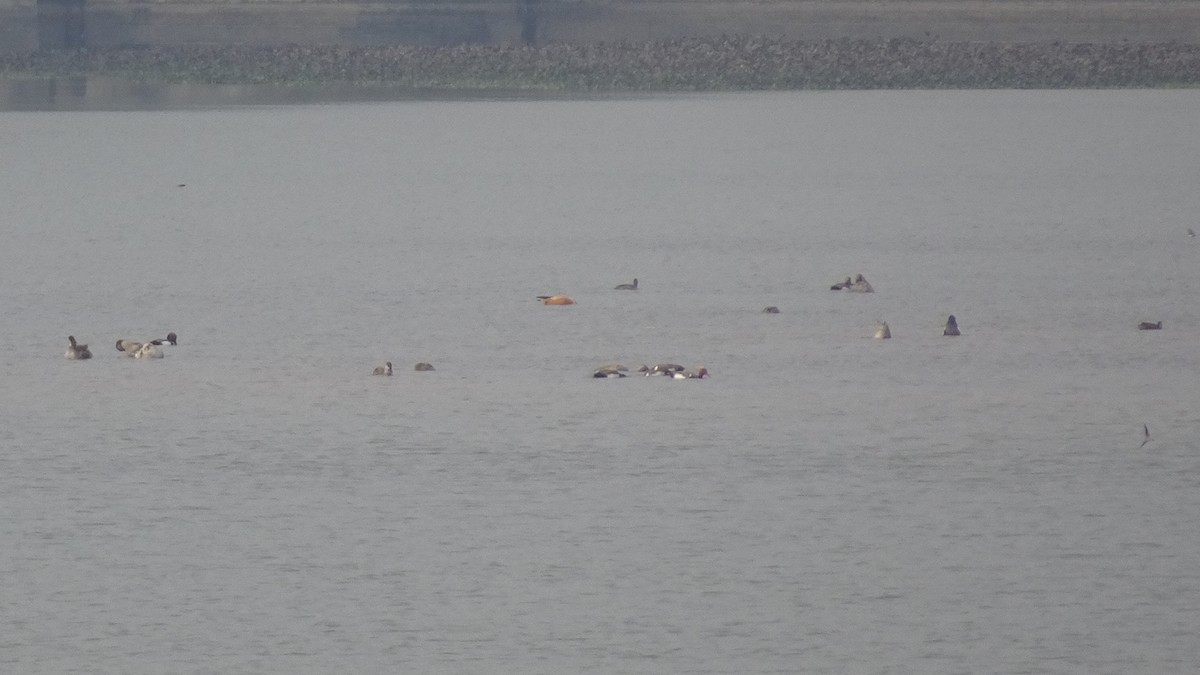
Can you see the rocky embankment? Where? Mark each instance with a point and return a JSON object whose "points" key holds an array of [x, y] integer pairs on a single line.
{"points": [[726, 63]]}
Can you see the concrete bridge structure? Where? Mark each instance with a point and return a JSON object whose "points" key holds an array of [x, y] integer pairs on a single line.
{"points": [[27, 25]]}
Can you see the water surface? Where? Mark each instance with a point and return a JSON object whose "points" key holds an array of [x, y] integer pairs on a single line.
{"points": [[825, 503]]}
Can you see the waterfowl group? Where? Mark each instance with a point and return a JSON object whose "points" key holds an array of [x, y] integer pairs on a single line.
{"points": [[859, 285], [134, 348]]}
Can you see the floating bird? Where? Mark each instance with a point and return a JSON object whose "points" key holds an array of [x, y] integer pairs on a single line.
{"points": [[1146, 436], [1191, 232], [423, 367], [661, 369], [770, 310], [76, 351], [861, 285], [689, 375], [842, 285], [627, 287], [1146, 325], [882, 332], [612, 370], [951, 326], [149, 350], [385, 369], [555, 300]]}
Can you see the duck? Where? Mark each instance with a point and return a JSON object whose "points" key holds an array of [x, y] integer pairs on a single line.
{"points": [[1146, 325], [385, 369], [76, 351], [951, 326], [149, 350], [555, 300], [861, 285], [882, 332], [661, 369], [131, 347], [689, 375], [842, 285], [770, 310], [626, 287], [610, 371], [422, 367]]}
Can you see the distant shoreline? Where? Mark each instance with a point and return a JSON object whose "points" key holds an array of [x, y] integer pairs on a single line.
{"points": [[702, 64]]}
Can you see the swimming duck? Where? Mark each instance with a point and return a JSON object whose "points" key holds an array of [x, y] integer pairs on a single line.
{"points": [[610, 371], [149, 350], [627, 287], [555, 300], [76, 351], [861, 285], [423, 367], [383, 370], [689, 375], [1146, 325], [842, 285], [770, 310], [882, 332], [661, 369], [951, 326], [128, 346]]}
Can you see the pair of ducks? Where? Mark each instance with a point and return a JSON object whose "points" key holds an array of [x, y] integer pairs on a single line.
{"points": [[672, 370], [883, 332], [859, 285], [139, 350], [566, 300], [146, 350], [386, 369]]}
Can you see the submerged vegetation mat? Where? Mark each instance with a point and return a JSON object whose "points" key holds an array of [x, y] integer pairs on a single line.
{"points": [[727, 63]]}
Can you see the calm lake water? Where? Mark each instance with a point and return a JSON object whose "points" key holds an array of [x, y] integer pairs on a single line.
{"points": [[824, 503]]}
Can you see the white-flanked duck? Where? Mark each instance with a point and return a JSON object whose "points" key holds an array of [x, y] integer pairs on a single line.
{"points": [[627, 287], [882, 332], [661, 369], [1146, 325], [385, 369], [611, 370], [689, 375], [76, 351], [861, 285], [149, 350], [951, 326], [131, 347]]}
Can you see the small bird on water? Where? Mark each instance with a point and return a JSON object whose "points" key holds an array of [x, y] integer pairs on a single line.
{"points": [[1146, 436]]}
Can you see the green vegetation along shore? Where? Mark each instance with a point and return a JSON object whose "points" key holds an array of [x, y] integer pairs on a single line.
{"points": [[726, 63]]}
